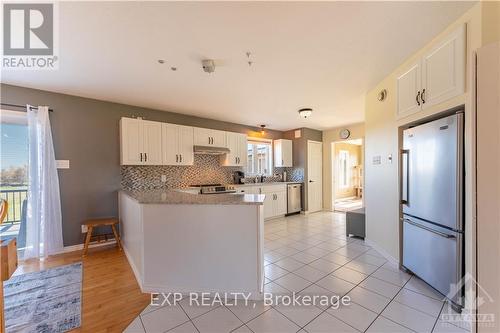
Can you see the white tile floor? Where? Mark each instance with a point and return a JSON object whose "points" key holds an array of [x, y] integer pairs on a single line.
{"points": [[311, 255]]}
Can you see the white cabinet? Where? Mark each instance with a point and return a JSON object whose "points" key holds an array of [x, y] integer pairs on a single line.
{"points": [[283, 153], [275, 203], [237, 144], [443, 70], [408, 85], [438, 76], [140, 142], [177, 144], [209, 137]]}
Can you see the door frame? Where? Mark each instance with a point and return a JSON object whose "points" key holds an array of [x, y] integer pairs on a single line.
{"points": [[333, 164], [306, 187]]}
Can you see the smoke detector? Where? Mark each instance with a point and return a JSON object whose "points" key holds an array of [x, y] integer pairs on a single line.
{"points": [[208, 65], [305, 113]]}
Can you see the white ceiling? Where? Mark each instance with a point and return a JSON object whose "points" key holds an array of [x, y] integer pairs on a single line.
{"points": [[323, 55]]}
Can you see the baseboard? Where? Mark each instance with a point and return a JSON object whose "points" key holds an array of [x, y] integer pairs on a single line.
{"points": [[79, 247], [383, 252], [135, 270]]}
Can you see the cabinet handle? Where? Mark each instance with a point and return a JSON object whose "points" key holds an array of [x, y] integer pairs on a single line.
{"points": [[418, 98], [180, 157], [282, 162], [423, 96], [176, 158], [145, 157], [141, 156]]}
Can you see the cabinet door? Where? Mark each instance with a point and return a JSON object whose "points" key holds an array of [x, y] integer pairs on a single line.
{"points": [[280, 203], [443, 69], [408, 91], [170, 144], [185, 135], [242, 150], [130, 141], [202, 136], [151, 142], [286, 152], [218, 138], [278, 153], [232, 143], [269, 205]]}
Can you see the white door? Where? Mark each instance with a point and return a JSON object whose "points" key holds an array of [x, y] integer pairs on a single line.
{"points": [[170, 143], [280, 203], [151, 142], [202, 137], [269, 205], [314, 176], [242, 149], [185, 145], [408, 91], [232, 143], [131, 142], [443, 70], [218, 138], [287, 149]]}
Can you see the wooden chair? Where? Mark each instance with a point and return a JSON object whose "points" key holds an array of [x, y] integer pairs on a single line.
{"points": [[94, 223]]}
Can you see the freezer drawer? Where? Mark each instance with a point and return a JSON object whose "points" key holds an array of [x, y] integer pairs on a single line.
{"points": [[434, 256], [294, 202]]}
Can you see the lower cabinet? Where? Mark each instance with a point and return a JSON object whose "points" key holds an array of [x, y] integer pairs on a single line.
{"points": [[275, 201]]}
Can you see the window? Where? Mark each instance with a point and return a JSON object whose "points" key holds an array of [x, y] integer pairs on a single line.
{"points": [[344, 170], [259, 159], [14, 171]]}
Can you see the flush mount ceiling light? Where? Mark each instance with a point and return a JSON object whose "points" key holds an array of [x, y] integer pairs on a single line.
{"points": [[305, 113], [161, 61]]}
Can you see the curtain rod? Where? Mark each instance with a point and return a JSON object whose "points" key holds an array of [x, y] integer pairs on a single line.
{"points": [[21, 106]]}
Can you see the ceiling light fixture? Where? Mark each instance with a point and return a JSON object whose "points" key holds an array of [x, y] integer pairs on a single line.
{"points": [[161, 61], [262, 129], [305, 113]]}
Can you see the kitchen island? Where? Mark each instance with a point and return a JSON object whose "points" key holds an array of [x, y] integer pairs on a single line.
{"points": [[183, 242]]}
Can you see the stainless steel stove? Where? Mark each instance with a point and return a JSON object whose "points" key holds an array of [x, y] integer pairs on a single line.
{"points": [[215, 188]]}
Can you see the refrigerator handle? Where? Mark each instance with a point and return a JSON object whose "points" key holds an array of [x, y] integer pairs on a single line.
{"points": [[405, 179], [442, 234]]}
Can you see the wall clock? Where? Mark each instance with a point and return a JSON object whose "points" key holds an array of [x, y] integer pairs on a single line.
{"points": [[344, 134]]}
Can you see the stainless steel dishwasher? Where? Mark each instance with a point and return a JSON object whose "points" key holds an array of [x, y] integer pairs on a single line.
{"points": [[294, 195]]}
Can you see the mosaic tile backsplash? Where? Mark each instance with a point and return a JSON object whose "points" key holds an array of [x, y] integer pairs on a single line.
{"points": [[206, 169]]}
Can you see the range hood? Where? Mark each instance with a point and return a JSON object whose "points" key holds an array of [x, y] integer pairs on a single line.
{"points": [[209, 150]]}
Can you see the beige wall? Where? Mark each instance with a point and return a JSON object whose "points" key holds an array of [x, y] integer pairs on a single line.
{"points": [[355, 159], [330, 136], [490, 22], [382, 139]]}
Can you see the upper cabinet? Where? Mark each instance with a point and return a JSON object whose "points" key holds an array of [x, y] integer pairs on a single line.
{"points": [[438, 76], [283, 153], [140, 142], [177, 144], [237, 144], [209, 137]]}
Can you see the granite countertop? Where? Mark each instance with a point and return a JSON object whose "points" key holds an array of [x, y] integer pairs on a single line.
{"points": [[176, 197], [266, 183]]}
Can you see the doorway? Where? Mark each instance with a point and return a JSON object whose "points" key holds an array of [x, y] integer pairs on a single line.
{"points": [[314, 176], [347, 175]]}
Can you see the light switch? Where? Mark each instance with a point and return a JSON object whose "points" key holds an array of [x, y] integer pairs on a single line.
{"points": [[62, 164], [298, 134], [163, 178], [377, 160]]}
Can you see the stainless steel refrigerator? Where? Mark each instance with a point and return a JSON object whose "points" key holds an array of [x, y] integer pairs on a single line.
{"points": [[432, 196]]}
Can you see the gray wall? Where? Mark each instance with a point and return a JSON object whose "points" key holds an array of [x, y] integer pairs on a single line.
{"points": [[300, 153], [85, 131]]}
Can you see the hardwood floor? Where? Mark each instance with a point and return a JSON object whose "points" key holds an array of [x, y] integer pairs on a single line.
{"points": [[111, 295]]}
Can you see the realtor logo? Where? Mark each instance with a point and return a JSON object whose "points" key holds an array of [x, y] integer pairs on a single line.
{"points": [[29, 36]]}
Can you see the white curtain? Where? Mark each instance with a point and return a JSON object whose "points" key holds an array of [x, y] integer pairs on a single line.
{"points": [[44, 221]]}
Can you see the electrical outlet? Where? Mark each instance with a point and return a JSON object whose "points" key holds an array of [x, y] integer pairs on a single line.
{"points": [[84, 229], [163, 178]]}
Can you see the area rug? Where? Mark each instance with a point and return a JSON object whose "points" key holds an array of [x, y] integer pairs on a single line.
{"points": [[48, 301]]}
